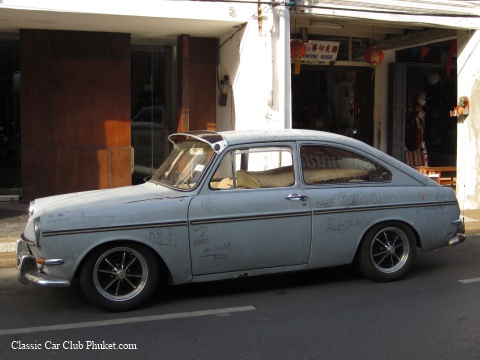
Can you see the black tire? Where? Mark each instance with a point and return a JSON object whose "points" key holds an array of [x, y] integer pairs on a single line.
{"points": [[119, 277], [387, 252]]}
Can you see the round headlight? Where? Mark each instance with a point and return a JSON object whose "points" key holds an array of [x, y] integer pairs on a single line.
{"points": [[36, 228], [31, 208]]}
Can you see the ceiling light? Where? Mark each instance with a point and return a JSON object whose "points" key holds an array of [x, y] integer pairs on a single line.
{"points": [[328, 25]]}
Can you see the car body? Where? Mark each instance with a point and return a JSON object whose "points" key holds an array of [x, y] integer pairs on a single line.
{"points": [[240, 203]]}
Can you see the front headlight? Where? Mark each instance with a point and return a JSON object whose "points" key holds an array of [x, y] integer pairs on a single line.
{"points": [[36, 229], [31, 208], [31, 233]]}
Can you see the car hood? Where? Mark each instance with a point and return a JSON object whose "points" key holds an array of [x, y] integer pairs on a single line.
{"points": [[105, 198], [142, 205]]}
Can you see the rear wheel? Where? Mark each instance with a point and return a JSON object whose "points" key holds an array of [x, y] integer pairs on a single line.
{"points": [[119, 277], [387, 252]]}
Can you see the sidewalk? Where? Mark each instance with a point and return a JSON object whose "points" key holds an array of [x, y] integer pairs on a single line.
{"points": [[14, 216]]}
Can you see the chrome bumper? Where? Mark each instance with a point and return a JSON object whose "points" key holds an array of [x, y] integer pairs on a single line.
{"points": [[28, 270], [460, 237]]}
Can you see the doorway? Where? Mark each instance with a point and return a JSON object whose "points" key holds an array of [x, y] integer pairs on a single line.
{"points": [[10, 180], [440, 130], [424, 71]]}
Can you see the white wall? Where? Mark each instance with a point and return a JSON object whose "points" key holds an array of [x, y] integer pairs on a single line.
{"points": [[259, 74], [468, 127]]}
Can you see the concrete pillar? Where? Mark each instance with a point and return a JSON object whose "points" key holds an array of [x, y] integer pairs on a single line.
{"points": [[468, 127]]}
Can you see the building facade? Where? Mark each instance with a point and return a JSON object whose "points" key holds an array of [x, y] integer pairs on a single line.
{"points": [[91, 92]]}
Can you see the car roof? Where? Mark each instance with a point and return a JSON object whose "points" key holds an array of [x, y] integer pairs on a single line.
{"points": [[267, 135], [235, 137]]}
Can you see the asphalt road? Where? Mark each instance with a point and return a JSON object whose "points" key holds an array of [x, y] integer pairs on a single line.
{"points": [[433, 313]]}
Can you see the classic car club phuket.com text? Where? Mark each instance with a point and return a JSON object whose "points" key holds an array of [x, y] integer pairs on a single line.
{"points": [[71, 345]]}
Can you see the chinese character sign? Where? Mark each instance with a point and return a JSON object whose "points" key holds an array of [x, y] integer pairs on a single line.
{"points": [[321, 52]]}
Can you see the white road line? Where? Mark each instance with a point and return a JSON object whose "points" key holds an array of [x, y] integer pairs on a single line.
{"points": [[125, 321], [468, 281]]}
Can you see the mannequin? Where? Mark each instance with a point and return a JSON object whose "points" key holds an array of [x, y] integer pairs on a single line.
{"points": [[419, 120]]}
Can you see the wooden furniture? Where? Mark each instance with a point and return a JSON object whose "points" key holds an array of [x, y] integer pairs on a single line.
{"points": [[444, 175], [416, 158]]}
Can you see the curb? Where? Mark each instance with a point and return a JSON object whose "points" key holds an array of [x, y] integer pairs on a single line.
{"points": [[7, 259], [7, 252]]}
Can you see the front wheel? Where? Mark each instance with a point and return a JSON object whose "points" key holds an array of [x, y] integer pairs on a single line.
{"points": [[387, 252], [119, 277]]}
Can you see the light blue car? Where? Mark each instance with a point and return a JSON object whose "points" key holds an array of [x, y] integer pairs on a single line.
{"points": [[233, 204]]}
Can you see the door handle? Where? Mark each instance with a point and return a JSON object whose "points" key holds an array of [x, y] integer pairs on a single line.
{"points": [[296, 197]]}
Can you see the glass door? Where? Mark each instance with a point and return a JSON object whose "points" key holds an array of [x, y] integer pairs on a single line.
{"points": [[151, 108]]}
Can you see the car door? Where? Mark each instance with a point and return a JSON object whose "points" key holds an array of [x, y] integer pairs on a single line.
{"points": [[251, 214], [344, 188]]}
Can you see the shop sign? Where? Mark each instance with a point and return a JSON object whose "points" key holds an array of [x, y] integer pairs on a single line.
{"points": [[321, 52]]}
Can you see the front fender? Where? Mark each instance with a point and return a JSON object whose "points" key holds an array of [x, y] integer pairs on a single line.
{"points": [[169, 243]]}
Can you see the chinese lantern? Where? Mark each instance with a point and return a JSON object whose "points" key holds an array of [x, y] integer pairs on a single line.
{"points": [[373, 55], [297, 51]]}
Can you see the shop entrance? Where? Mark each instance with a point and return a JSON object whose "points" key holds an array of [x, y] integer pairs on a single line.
{"points": [[439, 129], [10, 179], [333, 99], [423, 93]]}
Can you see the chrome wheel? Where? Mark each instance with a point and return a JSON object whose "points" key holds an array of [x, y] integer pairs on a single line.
{"points": [[120, 273], [119, 277], [387, 252]]}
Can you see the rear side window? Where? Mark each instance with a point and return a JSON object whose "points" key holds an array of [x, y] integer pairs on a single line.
{"points": [[331, 165], [254, 168]]}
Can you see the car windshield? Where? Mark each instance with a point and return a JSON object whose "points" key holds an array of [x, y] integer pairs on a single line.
{"points": [[185, 165]]}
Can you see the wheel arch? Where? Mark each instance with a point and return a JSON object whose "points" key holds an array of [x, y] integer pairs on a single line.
{"points": [[387, 250], [384, 222], [165, 273]]}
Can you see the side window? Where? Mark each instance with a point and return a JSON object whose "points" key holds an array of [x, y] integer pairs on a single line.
{"points": [[331, 165], [254, 168]]}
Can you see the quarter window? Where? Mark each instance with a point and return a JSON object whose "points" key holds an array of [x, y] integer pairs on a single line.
{"points": [[331, 165], [254, 168]]}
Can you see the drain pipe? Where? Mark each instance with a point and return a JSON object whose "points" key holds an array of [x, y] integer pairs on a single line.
{"points": [[282, 87]]}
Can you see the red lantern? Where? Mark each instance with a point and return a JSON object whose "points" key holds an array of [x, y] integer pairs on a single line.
{"points": [[297, 51], [373, 55]]}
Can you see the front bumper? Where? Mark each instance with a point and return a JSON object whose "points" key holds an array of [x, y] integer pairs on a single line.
{"points": [[28, 270]]}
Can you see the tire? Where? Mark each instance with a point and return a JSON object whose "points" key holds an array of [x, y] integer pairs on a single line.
{"points": [[387, 252], [119, 277]]}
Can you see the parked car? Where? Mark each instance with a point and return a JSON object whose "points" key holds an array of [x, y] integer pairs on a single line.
{"points": [[226, 205]]}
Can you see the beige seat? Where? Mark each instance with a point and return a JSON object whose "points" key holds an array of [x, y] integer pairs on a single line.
{"points": [[226, 183], [315, 176], [279, 177]]}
